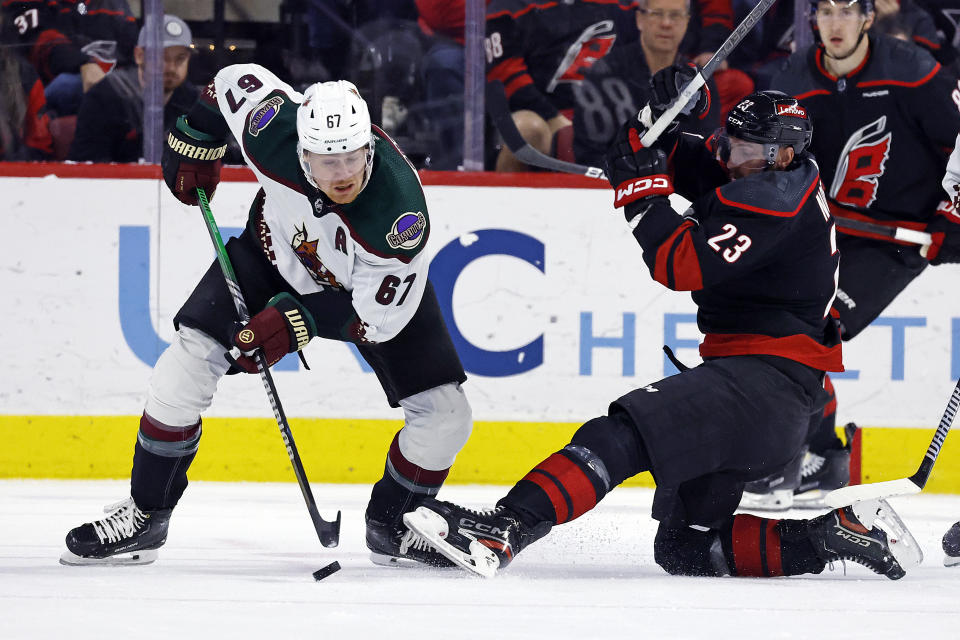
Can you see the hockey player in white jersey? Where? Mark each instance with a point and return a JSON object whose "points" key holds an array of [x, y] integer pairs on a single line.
{"points": [[333, 248]]}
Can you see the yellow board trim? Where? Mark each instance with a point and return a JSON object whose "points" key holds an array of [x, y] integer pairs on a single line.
{"points": [[353, 451]]}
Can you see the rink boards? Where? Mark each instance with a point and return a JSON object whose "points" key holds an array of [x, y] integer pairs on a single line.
{"points": [[545, 293]]}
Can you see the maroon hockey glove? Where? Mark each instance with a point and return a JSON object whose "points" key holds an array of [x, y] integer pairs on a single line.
{"points": [[635, 172], [666, 85], [945, 247], [283, 327], [191, 159]]}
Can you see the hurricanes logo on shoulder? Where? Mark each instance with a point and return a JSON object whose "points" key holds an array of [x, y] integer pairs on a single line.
{"points": [[263, 115], [407, 231]]}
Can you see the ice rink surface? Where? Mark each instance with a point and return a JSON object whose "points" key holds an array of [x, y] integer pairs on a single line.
{"points": [[239, 559]]}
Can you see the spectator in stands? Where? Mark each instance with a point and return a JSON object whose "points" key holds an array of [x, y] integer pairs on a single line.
{"points": [[906, 20], [24, 132], [765, 47], [539, 51], [711, 22], [70, 44], [618, 86], [442, 74], [946, 18], [331, 25], [110, 122]]}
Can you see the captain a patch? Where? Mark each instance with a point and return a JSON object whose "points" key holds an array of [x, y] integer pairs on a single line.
{"points": [[407, 231]]}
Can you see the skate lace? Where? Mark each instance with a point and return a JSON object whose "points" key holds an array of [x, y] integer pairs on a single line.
{"points": [[414, 540], [811, 464], [123, 522], [869, 564]]}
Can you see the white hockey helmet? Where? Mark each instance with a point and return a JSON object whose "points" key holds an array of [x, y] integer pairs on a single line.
{"points": [[333, 119]]}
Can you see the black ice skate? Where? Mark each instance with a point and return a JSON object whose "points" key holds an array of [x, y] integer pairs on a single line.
{"points": [[951, 546], [127, 536], [821, 474], [869, 533], [805, 481], [394, 545], [774, 492], [481, 542]]}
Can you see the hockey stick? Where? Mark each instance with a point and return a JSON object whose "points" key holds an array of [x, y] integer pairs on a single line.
{"points": [[668, 116], [328, 532], [912, 236], [904, 486], [499, 108]]}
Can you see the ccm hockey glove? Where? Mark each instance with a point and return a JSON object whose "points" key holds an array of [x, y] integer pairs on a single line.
{"points": [[635, 172], [283, 327], [191, 159]]}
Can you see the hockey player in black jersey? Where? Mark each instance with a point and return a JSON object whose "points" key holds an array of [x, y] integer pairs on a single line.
{"points": [[333, 248], [886, 116], [757, 251], [539, 51]]}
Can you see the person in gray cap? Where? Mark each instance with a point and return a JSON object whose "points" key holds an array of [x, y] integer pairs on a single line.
{"points": [[110, 121]]}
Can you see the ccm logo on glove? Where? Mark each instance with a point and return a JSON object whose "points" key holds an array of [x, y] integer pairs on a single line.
{"points": [[642, 188]]}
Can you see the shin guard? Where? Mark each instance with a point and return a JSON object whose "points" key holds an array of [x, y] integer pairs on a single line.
{"points": [[403, 486], [161, 458], [602, 453], [570, 481], [762, 547]]}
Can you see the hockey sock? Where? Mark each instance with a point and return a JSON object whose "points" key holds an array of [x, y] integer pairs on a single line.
{"points": [[761, 547], [823, 434], [603, 453], [161, 458], [402, 486]]}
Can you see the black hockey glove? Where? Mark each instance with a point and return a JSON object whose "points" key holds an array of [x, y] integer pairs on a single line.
{"points": [[945, 247], [635, 172], [666, 85], [283, 327], [191, 159]]}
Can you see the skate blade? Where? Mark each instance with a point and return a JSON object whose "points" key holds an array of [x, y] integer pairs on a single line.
{"points": [[774, 501], [951, 561], [433, 527], [813, 499], [903, 545], [130, 559], [394, 562]]}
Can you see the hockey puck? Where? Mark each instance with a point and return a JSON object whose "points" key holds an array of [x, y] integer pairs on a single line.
{"points": [[331, 568]]}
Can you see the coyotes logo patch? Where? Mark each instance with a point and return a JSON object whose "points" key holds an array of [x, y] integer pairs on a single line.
{"points": [[306, 251]]}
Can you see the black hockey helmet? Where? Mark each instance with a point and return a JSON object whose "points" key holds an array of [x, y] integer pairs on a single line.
{"points": [[773, 119]]}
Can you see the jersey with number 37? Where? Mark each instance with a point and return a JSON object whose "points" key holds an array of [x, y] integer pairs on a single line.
{"points": [[371, 247]]}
